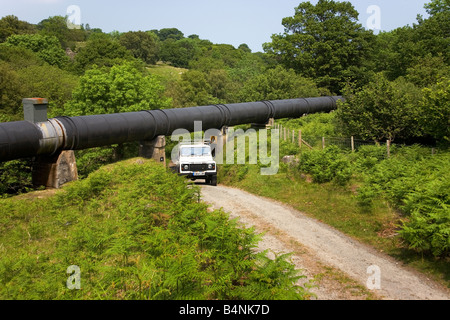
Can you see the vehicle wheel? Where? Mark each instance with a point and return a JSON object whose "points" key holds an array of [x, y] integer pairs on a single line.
{"points": [[214, 180], [208, 180]]}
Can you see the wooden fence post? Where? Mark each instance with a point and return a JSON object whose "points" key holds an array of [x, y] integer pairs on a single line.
{"points": [[300, 139], [323, 142], [388, 146], [353, 144]]}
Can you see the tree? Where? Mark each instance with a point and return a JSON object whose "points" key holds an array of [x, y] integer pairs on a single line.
{"points": [[277, 83], [10, 25], [56, 26], [251, 65], [179, 52], [47, 48], [427, 71], [437, 6], [221, 85], [121, 88], [11, 93], [435, 110], [324, 42], [169, 33], [244, 47], [399, 50], [432, 35], [48, 82], [100, 50], [196, 89], [381, 110], [142, 45], [395, 51]]}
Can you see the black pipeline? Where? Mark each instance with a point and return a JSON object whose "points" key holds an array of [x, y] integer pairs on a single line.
{"points": [[23, 139]]}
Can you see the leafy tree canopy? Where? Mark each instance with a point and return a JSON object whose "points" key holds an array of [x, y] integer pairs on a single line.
{"points": [[10, 25], [57, 26], [381, 110], [398, 50], [179, 52], [324, 42], [100, 50], [194, 89], [278, 83], [437, 6], [11, 92], [435, 107], [143, 45], [122, 88], [46, 47], [169, 33]]}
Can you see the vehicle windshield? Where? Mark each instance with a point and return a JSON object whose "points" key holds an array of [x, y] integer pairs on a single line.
{"points": [[195, 151]]}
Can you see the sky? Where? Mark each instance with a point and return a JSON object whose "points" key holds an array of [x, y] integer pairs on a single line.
{"points": [[221, 21]]}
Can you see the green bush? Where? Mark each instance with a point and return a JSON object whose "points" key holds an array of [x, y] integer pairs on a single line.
{"points": [[326, 165], [15, 177], [366, 157], [48, 48], [416, 183], [429, 231], [313, 125]]}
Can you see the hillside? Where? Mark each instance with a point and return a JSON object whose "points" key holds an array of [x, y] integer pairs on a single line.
{"points": [[132, 230]]}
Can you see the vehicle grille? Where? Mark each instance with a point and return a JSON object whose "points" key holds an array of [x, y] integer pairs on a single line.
{"points": [[198, 167]]}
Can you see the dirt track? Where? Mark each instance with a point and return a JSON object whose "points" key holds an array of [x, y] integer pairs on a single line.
{"points": [[338, 264]]}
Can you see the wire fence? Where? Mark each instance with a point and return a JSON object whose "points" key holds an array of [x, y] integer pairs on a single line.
{"points": [[308, 141], [295, 136]]}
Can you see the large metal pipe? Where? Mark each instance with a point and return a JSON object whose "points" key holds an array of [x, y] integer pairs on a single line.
{"points": [[24, 139]]}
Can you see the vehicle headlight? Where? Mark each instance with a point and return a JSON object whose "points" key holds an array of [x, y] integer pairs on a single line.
{"points": [[211, 166], [185, 167]]}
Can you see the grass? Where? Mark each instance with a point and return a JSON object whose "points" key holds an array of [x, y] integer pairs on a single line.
{"points": [[338, 207], [136, 231], [334, 205], [166, 72]]}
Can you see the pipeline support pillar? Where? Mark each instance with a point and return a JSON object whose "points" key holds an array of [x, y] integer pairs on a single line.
{"points": [[54, 170], [154, 149]]}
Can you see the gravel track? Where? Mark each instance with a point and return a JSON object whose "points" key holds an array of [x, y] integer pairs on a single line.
{"points": [[338, 264]]}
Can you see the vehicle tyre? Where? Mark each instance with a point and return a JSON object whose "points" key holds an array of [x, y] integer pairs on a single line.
{"points": [[214, 180]]}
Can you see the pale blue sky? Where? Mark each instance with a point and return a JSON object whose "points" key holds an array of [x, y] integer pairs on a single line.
{"points": [[226, 21]]}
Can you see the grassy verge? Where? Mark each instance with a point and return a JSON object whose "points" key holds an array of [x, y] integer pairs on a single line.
{"points": [[338, 207]]}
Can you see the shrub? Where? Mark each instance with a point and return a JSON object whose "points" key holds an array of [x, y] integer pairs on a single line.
{"points": [[416, 183], [326, 165], [48, 48], [367, 157], [15, 177]]}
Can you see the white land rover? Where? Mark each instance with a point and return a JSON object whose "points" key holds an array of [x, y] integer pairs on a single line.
{"points": [[195, 161]]}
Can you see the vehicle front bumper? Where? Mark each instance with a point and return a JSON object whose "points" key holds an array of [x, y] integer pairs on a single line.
{"points": [[192, 175]]}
